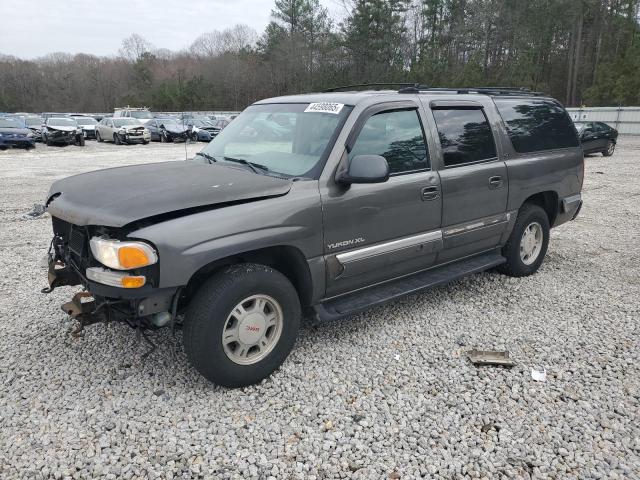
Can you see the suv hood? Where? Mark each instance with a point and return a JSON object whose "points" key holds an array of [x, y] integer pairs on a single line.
{"points": [[118, 196]]}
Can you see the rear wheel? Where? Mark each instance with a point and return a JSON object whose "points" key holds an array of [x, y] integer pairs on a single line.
{"points": [[528, 242], [241, 325], [611, 147]]}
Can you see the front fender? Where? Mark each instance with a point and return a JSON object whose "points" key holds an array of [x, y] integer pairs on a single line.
{"points": [[188, 243]]}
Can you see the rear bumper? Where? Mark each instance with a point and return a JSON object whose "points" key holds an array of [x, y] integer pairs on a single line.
{"points": [[568, 209]]}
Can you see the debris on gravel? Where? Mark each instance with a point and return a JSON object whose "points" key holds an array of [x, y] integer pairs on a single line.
{"points": [[388, 393]]}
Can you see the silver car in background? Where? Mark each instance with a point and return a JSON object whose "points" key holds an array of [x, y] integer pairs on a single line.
{"points": [[122, 130]]}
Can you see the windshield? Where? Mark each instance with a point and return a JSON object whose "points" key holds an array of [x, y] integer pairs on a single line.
{"points": [[172, 123], [34, 121], [201, 123], [9, 123], [145, 114], [284, 138], [62, 122], [85, 121], [580, 126], [121, 122]]}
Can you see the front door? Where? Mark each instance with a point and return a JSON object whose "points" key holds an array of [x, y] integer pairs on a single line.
{"points": [[474, 181], [375, 232]]}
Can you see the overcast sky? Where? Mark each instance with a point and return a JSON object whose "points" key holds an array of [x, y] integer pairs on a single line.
{"points": [[32, 28]]}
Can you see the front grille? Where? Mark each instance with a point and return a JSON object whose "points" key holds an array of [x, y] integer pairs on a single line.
{"points": [[77, 242]]}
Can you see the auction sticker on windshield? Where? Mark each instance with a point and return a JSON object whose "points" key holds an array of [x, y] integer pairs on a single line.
{"points": [[324, 107]]}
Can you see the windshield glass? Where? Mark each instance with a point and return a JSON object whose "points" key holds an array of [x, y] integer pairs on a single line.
{"points": [[282, 137], [62, 122], [121, 122], [34, 121], [85, 121], [201, 123], [9, 123], [172, 123], [141, 114], [580, 126]]}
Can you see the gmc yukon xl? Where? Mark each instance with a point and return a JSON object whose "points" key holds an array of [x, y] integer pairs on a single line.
{"points": [[326, 203]]}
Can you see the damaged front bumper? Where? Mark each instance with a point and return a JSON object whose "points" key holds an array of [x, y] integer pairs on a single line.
{"points": [[143, 308]]}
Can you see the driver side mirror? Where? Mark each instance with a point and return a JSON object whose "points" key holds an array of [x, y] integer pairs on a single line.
{"points": [[365, 169]]}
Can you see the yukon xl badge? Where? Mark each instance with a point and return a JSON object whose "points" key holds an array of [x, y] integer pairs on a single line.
{"points": [[346, 243]]}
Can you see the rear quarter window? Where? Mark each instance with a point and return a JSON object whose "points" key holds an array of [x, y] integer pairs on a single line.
{"points": [[536, 125]]}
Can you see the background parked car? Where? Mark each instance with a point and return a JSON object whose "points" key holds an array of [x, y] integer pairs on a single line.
{"points": [[597, 137], [168, 129], [87, 124], [62, 131], [35, 124], [219, 125], [122, 130], [14, 133], [202, 130], [131, 112]]}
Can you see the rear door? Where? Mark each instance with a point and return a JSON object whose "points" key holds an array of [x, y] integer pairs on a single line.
{"points": [[375, 232], [474, 180]]}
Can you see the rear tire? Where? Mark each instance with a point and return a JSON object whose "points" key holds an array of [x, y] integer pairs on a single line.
{"points": [[258, 311], [528, 242], [611, 148]]}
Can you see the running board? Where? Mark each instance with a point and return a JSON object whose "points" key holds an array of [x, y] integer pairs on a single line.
{"points": [[355, 302]]}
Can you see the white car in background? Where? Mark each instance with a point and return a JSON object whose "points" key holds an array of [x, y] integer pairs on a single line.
{"points": [[87, 124], [122, 130]]}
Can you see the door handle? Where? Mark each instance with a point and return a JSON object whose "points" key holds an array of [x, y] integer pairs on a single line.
{"points": [[430, 193], [495, 182]]}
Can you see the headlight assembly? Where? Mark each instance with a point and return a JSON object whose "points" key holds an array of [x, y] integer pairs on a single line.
{"points": [[122, 255]]}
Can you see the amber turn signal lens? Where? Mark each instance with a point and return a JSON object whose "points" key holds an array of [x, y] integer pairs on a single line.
{"points": [[133, 257], [132, 282]]}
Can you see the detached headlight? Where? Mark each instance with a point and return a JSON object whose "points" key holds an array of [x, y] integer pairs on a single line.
{"points": [[122, 255]]}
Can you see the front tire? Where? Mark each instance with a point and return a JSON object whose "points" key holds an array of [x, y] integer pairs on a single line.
{"points": [[98, 137], [241, 325], [611, 147], [528, 242], [116, 139]]}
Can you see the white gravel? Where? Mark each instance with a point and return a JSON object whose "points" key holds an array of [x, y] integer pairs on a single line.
{"points": [[386, 394]]}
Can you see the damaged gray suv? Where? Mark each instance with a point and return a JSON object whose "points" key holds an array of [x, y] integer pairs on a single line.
{"points": [[325, 203]]}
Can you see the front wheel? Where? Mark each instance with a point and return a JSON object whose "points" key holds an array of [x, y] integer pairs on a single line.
{"points": [[116, 139], [611, 147], [98, 137], [241, 325], [528, 242]]}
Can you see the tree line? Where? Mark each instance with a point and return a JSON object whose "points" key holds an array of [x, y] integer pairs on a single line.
{"points": [[583, 52]]}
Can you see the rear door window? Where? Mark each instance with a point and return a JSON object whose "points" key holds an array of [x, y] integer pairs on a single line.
{"points": [[535, 125], [465, 136]]}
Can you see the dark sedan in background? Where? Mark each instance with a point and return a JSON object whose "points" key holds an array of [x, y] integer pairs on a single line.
{"points": [[597, 137], [14, 133], [168, 129]]}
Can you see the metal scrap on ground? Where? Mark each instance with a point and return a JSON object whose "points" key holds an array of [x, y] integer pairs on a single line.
{"points": [[489, 357]]}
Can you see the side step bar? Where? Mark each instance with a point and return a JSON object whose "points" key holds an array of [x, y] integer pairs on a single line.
{"points": [[355, 302]]}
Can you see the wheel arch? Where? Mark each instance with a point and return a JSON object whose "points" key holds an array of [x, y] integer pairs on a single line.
{"points": [[548, 201], [286, 259]]}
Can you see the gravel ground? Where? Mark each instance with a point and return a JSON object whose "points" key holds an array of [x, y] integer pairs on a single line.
{"points": [[385, 394]]}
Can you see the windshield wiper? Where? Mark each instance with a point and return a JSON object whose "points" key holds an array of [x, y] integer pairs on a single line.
{"points": [[210, 158], [253, 166]]}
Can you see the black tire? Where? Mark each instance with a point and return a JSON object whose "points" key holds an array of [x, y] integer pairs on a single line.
{"points": [[163, 137], [81, 141], [46, 140], [98, 137], [611, 147], [116, 139], [528, 215], [144, 142], [210, 308]]}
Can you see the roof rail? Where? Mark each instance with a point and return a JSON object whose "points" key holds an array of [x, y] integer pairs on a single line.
{"points": [[359, 85], [416, 88]]}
